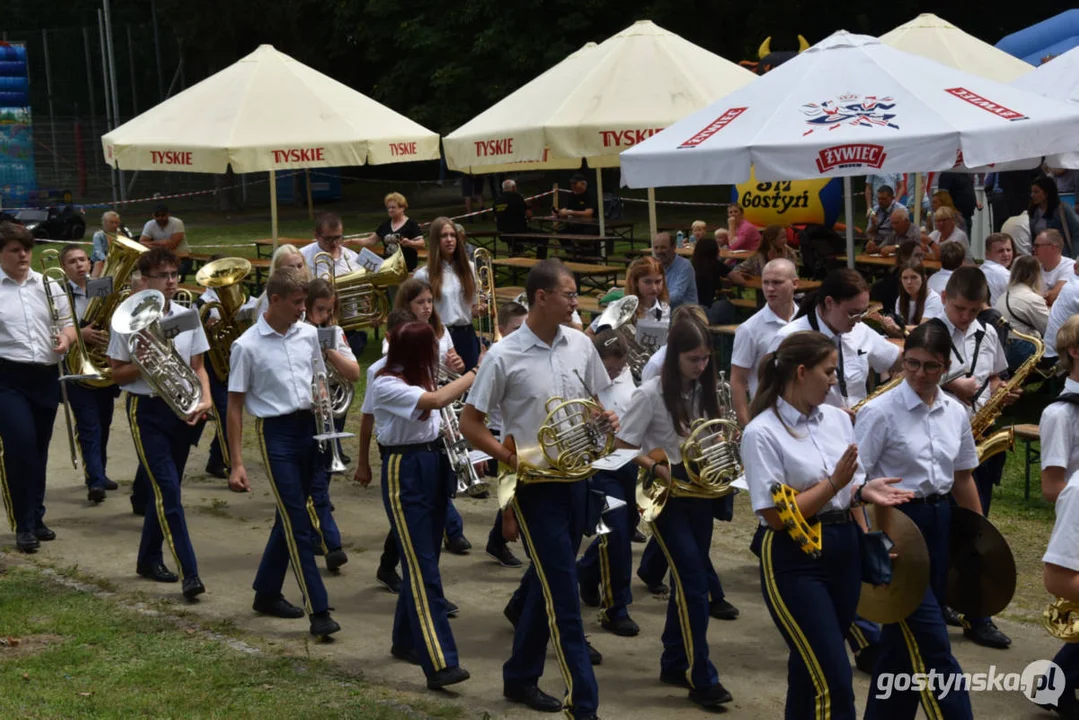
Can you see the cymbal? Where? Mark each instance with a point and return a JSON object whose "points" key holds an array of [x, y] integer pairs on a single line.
{"points": [[981, 567], [910, 570]]}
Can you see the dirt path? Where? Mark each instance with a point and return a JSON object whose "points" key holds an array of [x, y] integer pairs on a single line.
{"points": [[230, 530]]}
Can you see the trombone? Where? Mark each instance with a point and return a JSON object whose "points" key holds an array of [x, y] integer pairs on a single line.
{"points": [[485, 279]]}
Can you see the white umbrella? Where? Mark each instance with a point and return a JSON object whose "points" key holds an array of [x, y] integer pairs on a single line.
{"points": [[851, 105], [1057, 78], [265, 112], [594, 104]]}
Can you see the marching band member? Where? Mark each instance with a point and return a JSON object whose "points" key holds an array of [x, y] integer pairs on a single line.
{"points": [[91, 406], [916, 302], [417, 484], [797, 438], [837, 311], [163, 440], [217, 463], [655, 363], [271, 373], [321, 308], [604, 570], [779, 281], [31, 344], [520, 374], [452, 278], [686, 390], [329, 236], [977, 350], [1060, 418], [645, 280], [922, 436], [1061, 578], [285, 256]]}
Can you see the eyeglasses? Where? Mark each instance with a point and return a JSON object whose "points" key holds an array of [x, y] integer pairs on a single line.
{"points": [[571, 296], [332, 239], [930, 366], [165, 276]]}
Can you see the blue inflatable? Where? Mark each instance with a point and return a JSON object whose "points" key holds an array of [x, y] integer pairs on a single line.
{"points": [[1044, 40]]}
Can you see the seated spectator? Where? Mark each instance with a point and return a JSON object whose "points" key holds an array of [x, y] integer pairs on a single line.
{"points": [[997, 265], [1057, 270], [773, 245], [708, 269], [939, 199], [946, 221], [880, 217], [1023, 306], [900, 230], [741, 234], [951, 259], [583, 205], [916, 302], [512, 211], [678, 273], [722, 237], [696, 232]]}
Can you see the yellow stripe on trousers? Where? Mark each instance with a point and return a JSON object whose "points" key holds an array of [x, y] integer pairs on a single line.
{"points": [[159, 500], [605, 578], [548, 600], [917, 664], [9, 506], [680, 603], [415, 577], [859, 637], [290, 539], [313, 514], [823, 701]]}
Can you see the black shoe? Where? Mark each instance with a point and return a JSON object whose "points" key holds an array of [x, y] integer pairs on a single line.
{"points": [[451, 609], [410, 655], [157, 572], [638, 536], [26, 542], [589, 594], [335, 559], [447, 676], [623, 626], [481, 495], [533, 697], [710, 697], [277, 607], [193, 587], [389, 579], [504, 556], [951, 617], [659, 588], [673, 678], [986, 634], [594, 656], [866, 659], [137, 509], [111, 485], [458, 545], [346, 459], [44, 534], [217, 470], [512, 613], [722, 610], [322, 625], [96, 495]]}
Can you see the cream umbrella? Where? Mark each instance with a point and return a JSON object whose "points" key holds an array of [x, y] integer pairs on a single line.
{"points": [[594, 104], [266, 112]]}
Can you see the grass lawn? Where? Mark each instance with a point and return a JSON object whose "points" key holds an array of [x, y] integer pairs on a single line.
{"points": [[68, 654]]}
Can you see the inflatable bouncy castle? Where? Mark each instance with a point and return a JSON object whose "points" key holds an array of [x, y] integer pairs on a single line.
{"points": [[1045, 40]]}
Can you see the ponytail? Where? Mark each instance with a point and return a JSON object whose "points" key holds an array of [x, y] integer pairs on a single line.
{"points": [[779, 369]]}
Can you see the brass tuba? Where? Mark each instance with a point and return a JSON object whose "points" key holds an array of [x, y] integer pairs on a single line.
{"points": [[167, 374], [225, 277], [1061, 619], [360, 293], [485, 277]]}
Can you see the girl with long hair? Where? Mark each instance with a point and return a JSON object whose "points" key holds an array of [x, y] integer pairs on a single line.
{"points": [[416, 296], [773, 245], [916, 303], [644, 278], [453, 282], [1046, 212]]}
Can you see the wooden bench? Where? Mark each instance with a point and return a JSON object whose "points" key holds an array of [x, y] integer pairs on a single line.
{"points": [[1029, 433], [585, 303]]}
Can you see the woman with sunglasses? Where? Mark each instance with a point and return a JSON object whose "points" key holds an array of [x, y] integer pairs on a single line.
{"points": [[920, 434]]}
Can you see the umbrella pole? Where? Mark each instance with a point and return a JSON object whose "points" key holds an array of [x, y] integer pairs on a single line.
{"points": [[273, 207], [848, 208], [653, 228], [310, 204], [918, 192], [599, 198]]}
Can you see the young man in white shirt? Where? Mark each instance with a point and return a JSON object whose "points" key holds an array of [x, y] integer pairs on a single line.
{"points": [[329, 238], [952, 255], [997, 266], [1061, 577], [1057, 270]]}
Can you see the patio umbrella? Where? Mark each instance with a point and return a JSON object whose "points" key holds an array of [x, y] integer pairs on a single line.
{"points": [[1058, 78], [848, 106], [594, 104], [266, 112], [937, 39]]}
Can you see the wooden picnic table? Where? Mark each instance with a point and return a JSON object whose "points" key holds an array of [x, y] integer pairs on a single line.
{"points": [[571, 242], [621, 228], [888, 261], [583, 273], [585, 303]]}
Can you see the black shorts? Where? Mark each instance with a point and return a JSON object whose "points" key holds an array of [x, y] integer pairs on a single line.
{"points": [[471, 185]]}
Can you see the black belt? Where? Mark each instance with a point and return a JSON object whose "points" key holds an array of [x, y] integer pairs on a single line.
{"points": [[6, 364], [929, 499], [458, 327], [433, 446], [831, 517]]}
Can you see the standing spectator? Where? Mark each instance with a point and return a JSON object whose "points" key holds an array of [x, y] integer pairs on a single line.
{"points": [[1017, 228], [947, 230], [696, 232], [678, 272], [997, 265], [873, 184], [880, 217], [401, 230], [1048, 213], [1064, 179], [110, 227], [1057, 270], [472, 191], [960, 186], [1010, 196], [512, 211], [168, 232], [951, 259], [741, 234], [582, 204]]}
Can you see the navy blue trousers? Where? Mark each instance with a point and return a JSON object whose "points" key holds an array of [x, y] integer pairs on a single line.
{"points": [[683, 531], [920, 643], [453, 527], [162, 441], [219, 391], [654, 567], [608, 561], [1068, 660], [466, 343], [495, 540], [327, 534], [551, 517], [29, 398], [812, 603], [92, 408], [862, 634], [415, 492], [292, 459]]}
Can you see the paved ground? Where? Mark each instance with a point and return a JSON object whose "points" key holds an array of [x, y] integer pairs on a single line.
{"points": [[230, 530]]}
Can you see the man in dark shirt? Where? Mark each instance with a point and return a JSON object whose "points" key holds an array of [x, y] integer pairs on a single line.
{"points": [[511, 210], [961, 187], [581, 204]]}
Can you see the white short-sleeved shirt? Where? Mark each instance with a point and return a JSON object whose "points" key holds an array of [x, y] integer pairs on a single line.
{"points": [[188, 344], [397, 419], [1018, 228], [453, 307], [1063, 549], [209, 295], [990, 358], [26, 332], [1066, 305], [771, 454], [753, 338], [175, 225], [900, 436], [998, 278], [445, 344], [346, 262], [957, 236], [1059, 432], [933, 307], [275, 371], [1065, 270], [939, 280], [78, 294], [616, 396], [654, 366], [647, 424], [862, 349], [521, 372], [368, 407]]}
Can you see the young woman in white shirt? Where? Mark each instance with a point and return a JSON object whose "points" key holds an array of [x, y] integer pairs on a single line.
{"points": [[1059, 427], [285, 256], [796, 439], [920, 434], [417, 483], [452, 278], [916, 302], [1061, 578], [645, 280]]}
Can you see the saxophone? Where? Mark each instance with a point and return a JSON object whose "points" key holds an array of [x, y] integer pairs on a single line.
{"points": [[1003, 440]]}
